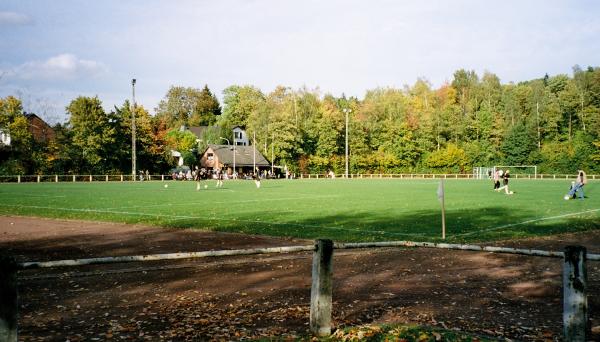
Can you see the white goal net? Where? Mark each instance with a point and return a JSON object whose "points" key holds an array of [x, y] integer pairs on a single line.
{"points": [[517, 171]]}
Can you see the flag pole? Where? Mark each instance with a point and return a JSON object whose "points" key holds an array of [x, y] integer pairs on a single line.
{"points": [[441, 196]]}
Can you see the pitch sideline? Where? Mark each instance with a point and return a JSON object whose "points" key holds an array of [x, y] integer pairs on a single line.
{"points": [[529, 221]]}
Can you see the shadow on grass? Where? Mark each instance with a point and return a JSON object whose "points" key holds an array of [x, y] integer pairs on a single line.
{"points": [[471, 225]]}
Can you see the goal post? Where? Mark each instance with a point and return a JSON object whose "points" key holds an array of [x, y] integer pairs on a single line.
{"points": [[483, 172], [529, 171], [486, 172]]}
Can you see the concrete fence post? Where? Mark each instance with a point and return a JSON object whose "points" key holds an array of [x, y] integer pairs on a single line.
{"points": [[73, 178], [575, 304], [322, 288], [8, 299]]}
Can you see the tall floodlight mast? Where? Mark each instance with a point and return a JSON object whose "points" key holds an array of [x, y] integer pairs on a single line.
{"points": [[133, 161]]}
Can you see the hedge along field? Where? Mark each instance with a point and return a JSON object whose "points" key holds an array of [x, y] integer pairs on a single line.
{"points": [[343, 210]]}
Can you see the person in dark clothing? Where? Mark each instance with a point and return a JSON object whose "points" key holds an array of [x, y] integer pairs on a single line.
{"points": [[496, 180], [505, 178], [219, 175]]}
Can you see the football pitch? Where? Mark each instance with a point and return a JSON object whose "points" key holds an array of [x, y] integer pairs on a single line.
{"points": [[342, 210]]}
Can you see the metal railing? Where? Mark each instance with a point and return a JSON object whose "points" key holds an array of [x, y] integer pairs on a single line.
{"points": [[129, 178], [438, 176]]}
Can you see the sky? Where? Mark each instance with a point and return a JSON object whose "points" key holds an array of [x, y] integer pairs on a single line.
{"points": [[54, 51]]}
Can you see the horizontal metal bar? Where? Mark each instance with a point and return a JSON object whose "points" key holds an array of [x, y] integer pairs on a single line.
{"points": [[156, 257], [492, 249], [292, 249]]}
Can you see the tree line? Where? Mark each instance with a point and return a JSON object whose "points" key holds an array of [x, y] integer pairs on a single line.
{"points": [[552, 122]]}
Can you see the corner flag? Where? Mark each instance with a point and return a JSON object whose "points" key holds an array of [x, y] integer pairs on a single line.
{"points": [[440, 191], [440, 195]]}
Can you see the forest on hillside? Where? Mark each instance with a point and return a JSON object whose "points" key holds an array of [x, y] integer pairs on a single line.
{"points": [[474, 120]]}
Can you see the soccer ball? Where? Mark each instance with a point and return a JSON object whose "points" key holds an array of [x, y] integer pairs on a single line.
{"points": [[166, 185], [511, 192], [205, 186], [566, 197]]}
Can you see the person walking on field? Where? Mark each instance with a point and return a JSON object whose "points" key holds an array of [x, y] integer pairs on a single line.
{"points": [[219, 178], [256, 178], [578, 187], [197, 178], [505, 178], [496, 179]]}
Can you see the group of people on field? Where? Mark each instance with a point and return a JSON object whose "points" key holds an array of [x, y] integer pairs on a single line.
{"points": [[505, 176], [576, 186], [219, 175]]}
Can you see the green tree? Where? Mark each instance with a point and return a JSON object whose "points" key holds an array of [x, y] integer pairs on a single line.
{"points": [[187, 106], [449, 159], [239, 103], [20, 156], [94, 133], [206, 109], [146, 159], [10, 108], [518, 145]]}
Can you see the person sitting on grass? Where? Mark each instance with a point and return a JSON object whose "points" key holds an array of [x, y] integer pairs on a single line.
{"points": [[578, 187]]}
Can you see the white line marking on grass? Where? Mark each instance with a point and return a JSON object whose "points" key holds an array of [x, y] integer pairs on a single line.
{"points": [[186, 217], [222, 202], [529, 221], [45, 196]]}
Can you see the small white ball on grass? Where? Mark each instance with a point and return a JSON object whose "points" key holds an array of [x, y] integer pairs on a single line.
{"points": [[166, 185], [566, 197], [205, 186], [511, 192]]}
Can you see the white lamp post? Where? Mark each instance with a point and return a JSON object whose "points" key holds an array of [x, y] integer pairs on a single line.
{"points": [[347, 111], [133, 153]]}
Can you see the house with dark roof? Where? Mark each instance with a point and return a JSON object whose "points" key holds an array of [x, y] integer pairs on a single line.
{"points": [[40, 130], [224, 157]]}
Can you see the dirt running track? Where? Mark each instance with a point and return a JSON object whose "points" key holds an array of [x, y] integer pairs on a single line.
{"points": [[234, 298]]}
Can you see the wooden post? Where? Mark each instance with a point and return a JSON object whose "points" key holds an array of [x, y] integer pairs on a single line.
{"points": [[55, 178], [107, 178], [73, 178], [8, 299], [18, 178], [322, 288], [90, 178], [575, 305], [38, 178], [121, 178]]}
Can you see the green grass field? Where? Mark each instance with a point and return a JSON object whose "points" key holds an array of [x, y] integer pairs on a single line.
{"points": [[343, 210]]}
